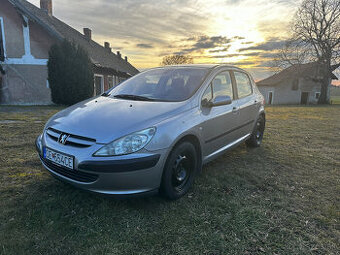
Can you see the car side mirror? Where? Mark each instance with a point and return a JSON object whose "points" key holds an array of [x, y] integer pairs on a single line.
{"points": [[217, 101]]}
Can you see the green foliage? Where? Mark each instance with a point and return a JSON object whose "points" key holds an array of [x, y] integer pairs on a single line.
{"points": [[70, 73]]}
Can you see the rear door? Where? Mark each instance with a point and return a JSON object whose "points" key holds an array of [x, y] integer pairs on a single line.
{"points": [[246, 101], [219, 122]]}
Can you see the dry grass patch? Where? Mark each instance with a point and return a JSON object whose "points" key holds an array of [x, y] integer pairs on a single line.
{"points": [[282, 198]]}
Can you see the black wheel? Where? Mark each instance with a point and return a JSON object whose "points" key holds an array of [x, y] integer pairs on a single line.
{"points": [[256, 137], [180, 170]]}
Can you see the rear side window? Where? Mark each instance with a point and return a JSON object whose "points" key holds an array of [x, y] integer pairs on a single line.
{"points": [[222, 85], [244, 87]]}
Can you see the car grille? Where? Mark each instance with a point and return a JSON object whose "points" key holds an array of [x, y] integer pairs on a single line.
{"points": [[72, 174], [72, 140]]}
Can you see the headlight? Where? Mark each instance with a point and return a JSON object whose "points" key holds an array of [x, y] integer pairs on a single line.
{"points": [[127, 144]]}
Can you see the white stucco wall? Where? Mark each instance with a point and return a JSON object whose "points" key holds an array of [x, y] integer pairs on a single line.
{"points": [[26, 53], [283, 93]]}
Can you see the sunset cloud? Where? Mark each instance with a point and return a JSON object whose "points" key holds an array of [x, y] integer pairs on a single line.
{"points": [[144, 45], [270, 45], [246, 33]]}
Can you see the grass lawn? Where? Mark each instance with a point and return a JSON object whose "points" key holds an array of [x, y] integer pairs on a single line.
{"points": [[283, 198]]}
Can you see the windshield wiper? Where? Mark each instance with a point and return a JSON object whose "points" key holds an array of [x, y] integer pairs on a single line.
{"points": [[105, 94], [134, 97]]}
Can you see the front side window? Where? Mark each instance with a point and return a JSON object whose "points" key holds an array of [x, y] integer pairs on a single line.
{"points": [[163, 84], [207, 96], [243, 84], [222, 85]]}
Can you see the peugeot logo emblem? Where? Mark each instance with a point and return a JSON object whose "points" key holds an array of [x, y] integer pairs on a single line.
{"points": [[63, 138]]}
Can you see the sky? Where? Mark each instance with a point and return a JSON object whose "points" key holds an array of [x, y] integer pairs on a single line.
{"points": [[246, 33]]}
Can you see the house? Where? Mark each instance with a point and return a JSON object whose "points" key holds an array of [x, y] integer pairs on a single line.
{"points": [[26, 35], [298, 84]]}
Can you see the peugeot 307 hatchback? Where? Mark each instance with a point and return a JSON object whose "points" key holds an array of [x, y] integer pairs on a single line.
{"points": [[154, 131]]}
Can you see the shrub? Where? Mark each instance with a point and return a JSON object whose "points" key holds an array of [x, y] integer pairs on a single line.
{"points": [[70, 73]]}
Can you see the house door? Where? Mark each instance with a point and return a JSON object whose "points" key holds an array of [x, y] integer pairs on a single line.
{"points": [[304, 98], [99, 84], [270, 97]]}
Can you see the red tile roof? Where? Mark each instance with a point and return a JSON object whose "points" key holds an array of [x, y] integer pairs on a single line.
{"points": [[99, 55]]}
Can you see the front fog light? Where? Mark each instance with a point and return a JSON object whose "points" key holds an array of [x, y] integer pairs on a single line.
{"points": [[127, 144]]}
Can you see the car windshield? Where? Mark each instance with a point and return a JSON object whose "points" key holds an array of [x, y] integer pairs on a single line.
{"points": [[164, 84]]}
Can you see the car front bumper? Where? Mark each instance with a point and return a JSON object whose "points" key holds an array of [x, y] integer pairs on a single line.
{"points": [[134, 174]]}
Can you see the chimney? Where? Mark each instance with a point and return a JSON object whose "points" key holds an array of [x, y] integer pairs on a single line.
{"points": [[46, 5], [88, 34], [107, 46], [126, 58], [118, 54]]}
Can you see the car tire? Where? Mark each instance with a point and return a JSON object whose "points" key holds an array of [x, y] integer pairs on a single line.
{"points": [[179, 171], [256, 137]]}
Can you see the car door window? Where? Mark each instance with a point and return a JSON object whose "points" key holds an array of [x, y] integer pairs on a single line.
{"points": [[222, 86], [243, 84], [207, 95]]}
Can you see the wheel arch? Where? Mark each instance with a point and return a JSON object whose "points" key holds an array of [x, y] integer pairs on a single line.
{"points": [[263, 114], [195, 141]]}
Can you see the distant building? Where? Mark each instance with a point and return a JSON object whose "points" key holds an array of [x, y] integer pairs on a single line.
{"points": [[26, 35], [298, 84]]}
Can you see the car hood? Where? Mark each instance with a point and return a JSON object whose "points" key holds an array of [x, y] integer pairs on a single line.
{"points": [[106, 119]]}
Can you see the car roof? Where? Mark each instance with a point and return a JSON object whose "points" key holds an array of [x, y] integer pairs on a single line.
{"points": [[203, 66]]}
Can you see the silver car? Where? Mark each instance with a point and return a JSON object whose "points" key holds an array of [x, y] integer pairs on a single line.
{"points": [[154, 131]]}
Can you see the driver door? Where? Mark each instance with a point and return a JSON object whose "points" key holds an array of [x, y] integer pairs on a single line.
{"points": [[219, 127]]}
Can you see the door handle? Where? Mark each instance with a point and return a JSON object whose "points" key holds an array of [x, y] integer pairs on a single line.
{"points": [[236, 109]]}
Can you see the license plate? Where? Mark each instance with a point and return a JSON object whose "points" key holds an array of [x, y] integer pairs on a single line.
{"points": [[58, 158]]}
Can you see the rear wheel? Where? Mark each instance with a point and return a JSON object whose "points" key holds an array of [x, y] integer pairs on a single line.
{"points": [[256, 137], [180, 170]]}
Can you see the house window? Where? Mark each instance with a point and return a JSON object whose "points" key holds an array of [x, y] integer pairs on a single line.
{"points": [[2, 40], [317, 95], [295, 85], [117, 80], [110, 81], [98, 84]]}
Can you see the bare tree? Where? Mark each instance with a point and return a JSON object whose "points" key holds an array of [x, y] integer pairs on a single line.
{"points": [[316, 37], [292, 53], [177, 60]]}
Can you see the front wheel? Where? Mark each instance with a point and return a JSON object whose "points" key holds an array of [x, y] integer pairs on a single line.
{"points": [[256, 137], [180, 170]]}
